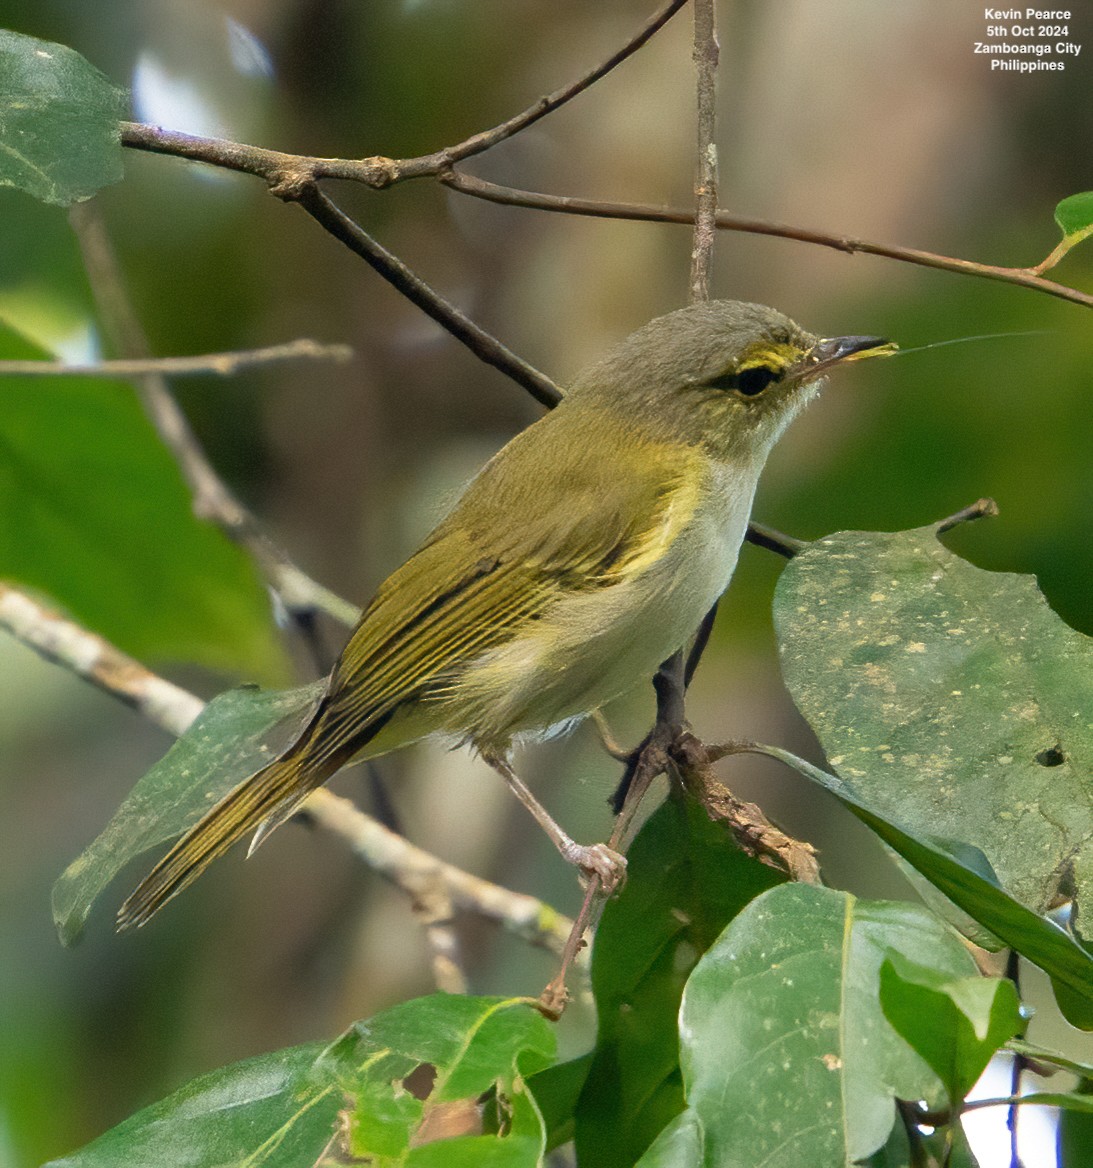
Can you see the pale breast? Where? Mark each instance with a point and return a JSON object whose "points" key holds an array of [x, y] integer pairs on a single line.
{"points": [[593, 646]]}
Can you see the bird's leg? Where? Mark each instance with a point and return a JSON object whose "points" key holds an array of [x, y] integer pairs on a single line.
{"points": [[595, 859]]}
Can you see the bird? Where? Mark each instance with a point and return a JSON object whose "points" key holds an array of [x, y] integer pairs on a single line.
{"points": [[581, 556]]}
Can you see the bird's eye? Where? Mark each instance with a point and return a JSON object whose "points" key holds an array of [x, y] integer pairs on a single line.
{"points": [[749, 381]]}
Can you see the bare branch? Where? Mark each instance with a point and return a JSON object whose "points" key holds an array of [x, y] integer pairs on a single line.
{"points": [[706, 54], [419, 872], [414, 870], [396, 273], [292, 172], [980, 509], [221, 364], [479, 143], [753, 831], [650, 213], [97, 661], [774, 541], [211, 498]]}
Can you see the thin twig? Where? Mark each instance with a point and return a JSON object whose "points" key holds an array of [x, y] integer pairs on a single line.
{"points": [[706, 53], [478, 143], [651, 213], [980, 509], [774, 541], [698, 645], [221, 364], [420, 873], [211, 498], [396, 273], [289, 172], [417, 872]]}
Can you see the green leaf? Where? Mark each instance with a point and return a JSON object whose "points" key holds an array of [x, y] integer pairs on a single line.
{"points": [[787, 1057], [264, 1112], [956, 1025], [1043, 1054], [686, 880], [949, 698], [59, 134], [94, 513], [468, 1046], [1075, 215], [680, 1145], [964, 875], [1075, 1129], [236, 734], [556, 1091], [285, 1109]]}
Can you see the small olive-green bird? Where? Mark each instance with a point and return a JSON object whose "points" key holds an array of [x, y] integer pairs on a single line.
{"points": [[583, 554]]}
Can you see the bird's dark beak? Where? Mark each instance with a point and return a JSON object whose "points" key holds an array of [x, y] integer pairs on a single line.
{"points": [[835, 350]]}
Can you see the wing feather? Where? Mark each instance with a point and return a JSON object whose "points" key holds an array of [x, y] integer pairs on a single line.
{"points": [[481, 576]]}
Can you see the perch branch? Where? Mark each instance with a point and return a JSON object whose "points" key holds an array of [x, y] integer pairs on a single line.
{"points": [[395, 272], [417, 872], [651, 213], [706, 53], [299, 170], [221, 364], [755, 834]]}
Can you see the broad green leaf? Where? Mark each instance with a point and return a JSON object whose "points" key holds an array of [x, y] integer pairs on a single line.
{"points": [[896, 1152], [59, 133], [265, 1112], [959, 1151], [686, 880], [1075, 216], [1075, 1129], [956, 1025], [787, 1058], [556, 1091], [469, 1047], [236, 734], [950, 699], [287, 1109], [964, 875], [680, 1145], [94, 513]]}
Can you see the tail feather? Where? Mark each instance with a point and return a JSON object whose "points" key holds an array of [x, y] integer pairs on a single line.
{"points": [[264, 801]]}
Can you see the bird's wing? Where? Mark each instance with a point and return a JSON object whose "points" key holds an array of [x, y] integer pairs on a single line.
{"points": [[502, 557]]}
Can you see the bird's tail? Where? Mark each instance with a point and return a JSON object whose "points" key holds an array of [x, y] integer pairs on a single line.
{"points": [[264, 802]]}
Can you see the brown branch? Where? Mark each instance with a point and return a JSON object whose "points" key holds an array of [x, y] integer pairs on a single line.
{"points": [[651, 213], [221, 364], [442, 160], [774, 541], [212, 500], [706, 53], [295, 171], [486, 347], [288, 173], [755, 834], [417, 872], [980, 509]]}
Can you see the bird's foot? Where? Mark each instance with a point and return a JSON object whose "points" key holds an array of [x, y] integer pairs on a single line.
{"points": [[598, 860]]}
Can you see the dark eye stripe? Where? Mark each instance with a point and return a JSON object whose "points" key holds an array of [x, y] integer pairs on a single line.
{"points": [[748, 381]]}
